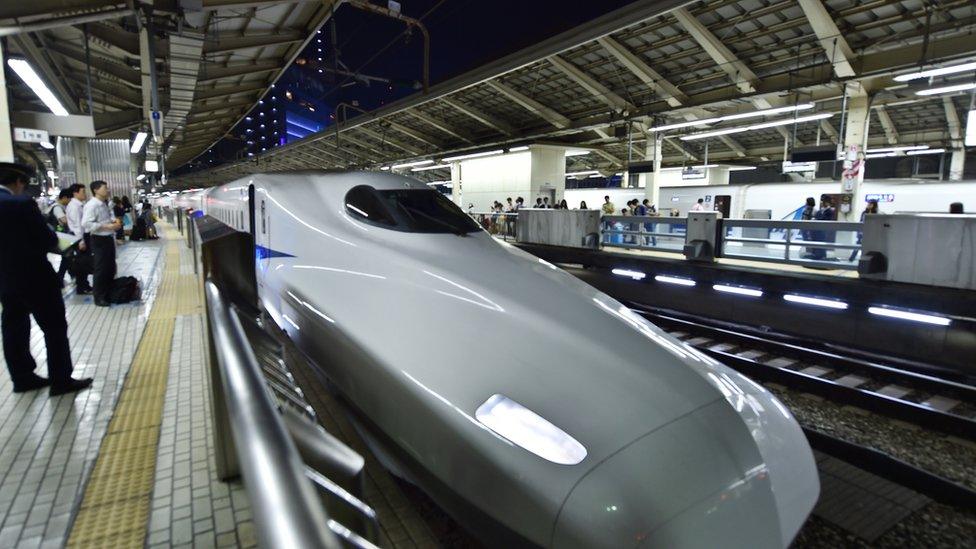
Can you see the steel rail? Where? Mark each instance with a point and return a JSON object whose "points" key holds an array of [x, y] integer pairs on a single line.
{"points": [[904, 410], [287, 511]]}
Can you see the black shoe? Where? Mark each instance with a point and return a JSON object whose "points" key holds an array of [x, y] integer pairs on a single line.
{"points": [[83, 291], [72, 386], [102, 303], [31, 384]]}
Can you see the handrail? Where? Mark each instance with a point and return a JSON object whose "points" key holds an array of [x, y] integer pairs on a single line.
{"points": [[802, 225], [286, 509]]}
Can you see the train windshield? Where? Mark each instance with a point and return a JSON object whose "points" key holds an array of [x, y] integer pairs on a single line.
{"points": [[408, 210]]}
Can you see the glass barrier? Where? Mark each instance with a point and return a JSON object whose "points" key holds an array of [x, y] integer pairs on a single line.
{"points": [[500, 224], [828, 244], [644, 232]]}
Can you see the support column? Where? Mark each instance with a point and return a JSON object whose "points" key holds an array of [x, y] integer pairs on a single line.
{"points": [[6, 132], [650, 181], [855, 142], [957, 164], [82, 162], [457, 193]]}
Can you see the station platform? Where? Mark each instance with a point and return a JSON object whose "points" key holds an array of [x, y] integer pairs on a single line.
{"points": [[736, 263], [128, 462]]}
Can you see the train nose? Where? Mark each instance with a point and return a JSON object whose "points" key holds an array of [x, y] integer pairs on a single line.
{"points": [[698, 481]]}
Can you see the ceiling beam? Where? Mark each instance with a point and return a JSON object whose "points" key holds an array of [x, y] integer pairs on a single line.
{"points": [[487, 120], [210, 72], [830, 131], [235, 104], [48, 72], [546, 113], [385, 138], [734, 145], [124, 73], [591, 85], [838, 51], [632, 62], [416, 134], [231, 42], [674, 142], [891, 133], [224, 91], [952, 120], [740, 74], [113, 121], [123, 93], [437, 123]]}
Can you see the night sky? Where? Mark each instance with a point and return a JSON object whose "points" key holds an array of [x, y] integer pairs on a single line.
{"points": [[464, 35]]}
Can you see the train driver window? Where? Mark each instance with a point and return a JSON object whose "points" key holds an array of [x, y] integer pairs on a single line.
{"points": [[408, 210]]}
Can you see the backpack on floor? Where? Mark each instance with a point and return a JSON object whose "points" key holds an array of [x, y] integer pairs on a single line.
{"points": [[124, 289]]}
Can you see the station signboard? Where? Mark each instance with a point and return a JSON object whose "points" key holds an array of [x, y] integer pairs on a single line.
{"points": [[880, 197]]}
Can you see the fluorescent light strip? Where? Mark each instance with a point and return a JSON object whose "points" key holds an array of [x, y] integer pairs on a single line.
{"points": [[935, 72], [472, 155], [741, 168], [897, 149], [881, 155], [34, 82], [588, 172], [906, 315], [518, 149], [751, 292], [947, 89], [138, 142], [576, 152], [636, 275], [434, 167], [47, 145], [816, 301], [774, 123], [925, 151], [739, 116], [675, 280], [412, 164]]}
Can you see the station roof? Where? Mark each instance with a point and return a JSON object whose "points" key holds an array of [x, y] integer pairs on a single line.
{"points": [[214, 60], [600, 85]]}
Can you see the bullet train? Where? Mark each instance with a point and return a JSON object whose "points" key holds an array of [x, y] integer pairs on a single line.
{"points": [[534, 409]]}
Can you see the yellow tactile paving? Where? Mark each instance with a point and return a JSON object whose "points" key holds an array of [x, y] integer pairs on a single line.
{"points": [[115, 506]]}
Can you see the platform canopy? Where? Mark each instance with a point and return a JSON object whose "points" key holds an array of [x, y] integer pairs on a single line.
{"points": [[213, 60]]}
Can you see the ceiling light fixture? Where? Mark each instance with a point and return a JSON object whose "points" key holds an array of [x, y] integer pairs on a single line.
{"points": [[947, 89], [925, 151], [971, 129], [472, 155], [588, 172], [518, 149], [137, 143], [772, 124], [935, 72], [739, 116], [412, 164], [576, 152], [47, 145], [34, 82], [434, 167], [897, 149]]}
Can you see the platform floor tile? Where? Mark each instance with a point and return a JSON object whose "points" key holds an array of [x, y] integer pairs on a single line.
{"points": [[190, 505], [48, 445]]}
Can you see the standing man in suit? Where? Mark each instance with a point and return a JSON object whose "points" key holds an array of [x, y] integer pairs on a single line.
{"points": [[29, 286], [99, 222], [82, 265]]}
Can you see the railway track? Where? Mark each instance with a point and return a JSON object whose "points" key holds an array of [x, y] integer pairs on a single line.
{"points": [[929, 401]]}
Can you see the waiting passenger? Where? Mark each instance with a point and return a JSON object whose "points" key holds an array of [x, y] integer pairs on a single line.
{"points": [[825, 213], [699, 206], [511, 206], [563, 205], [649, 208], [519, 202], [538, 203], [101, 228], [545, 202], [608, 208], [956, 208], [29, 287], [583, 205]]}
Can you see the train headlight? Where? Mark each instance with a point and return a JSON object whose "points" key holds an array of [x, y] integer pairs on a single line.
{"points": [[529, 430]]}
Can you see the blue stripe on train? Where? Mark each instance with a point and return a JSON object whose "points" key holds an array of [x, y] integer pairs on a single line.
{"points": [[261, 252]]}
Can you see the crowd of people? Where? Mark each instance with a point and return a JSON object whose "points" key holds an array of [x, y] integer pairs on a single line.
{"points": [[84, 231]]}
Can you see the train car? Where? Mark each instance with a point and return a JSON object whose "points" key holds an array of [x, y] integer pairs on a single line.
{"points": [[534, 409]]}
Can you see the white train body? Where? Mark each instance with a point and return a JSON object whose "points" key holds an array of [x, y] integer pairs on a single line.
{"points": [[545, 405]]}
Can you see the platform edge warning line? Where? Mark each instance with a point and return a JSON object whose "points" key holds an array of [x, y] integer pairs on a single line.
{"points": [[116, 503]]}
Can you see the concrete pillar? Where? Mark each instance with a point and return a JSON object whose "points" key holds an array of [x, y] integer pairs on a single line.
{"points": [[547, 172], [652, 181], [957, 164], [6, 132], [855, 142], [83, 162], [457, 192]]}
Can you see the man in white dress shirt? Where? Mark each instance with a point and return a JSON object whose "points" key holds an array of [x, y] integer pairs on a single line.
{"points": [[101, 226], [75, 212]]}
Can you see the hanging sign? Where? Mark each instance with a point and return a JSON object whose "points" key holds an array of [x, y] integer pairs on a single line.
{"points": [[30, 135]]}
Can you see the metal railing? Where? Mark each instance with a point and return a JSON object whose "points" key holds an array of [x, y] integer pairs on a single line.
{"points": [[269, 446], [832, 244], [666, 234], [500, 224]]}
